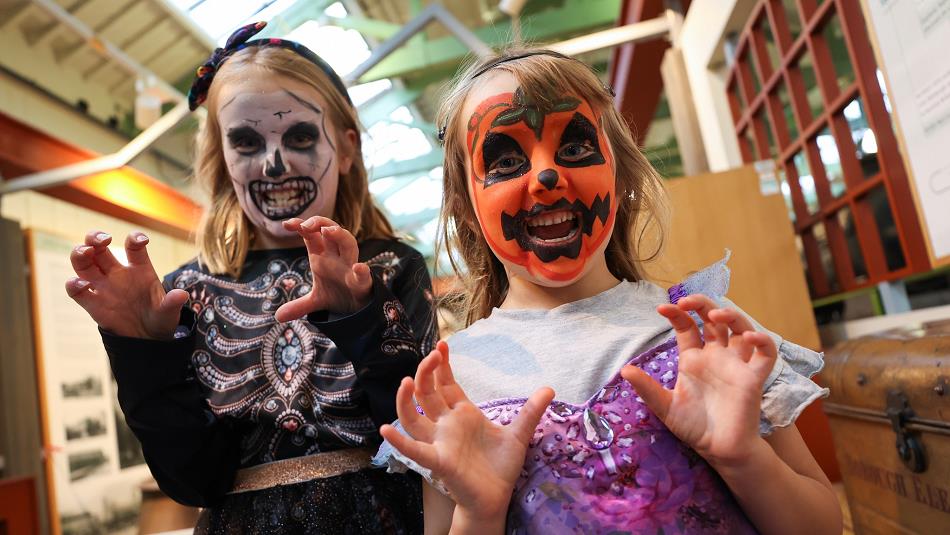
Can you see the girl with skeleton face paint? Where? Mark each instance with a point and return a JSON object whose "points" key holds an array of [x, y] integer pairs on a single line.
{"points": [[657, 428], [280, 153], [256, 376]]}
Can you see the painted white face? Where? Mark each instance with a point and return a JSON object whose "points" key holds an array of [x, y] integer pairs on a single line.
{"points": [[281, 152]]}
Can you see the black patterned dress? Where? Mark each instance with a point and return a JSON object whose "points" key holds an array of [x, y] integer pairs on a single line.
{"points": [[236, 389]]}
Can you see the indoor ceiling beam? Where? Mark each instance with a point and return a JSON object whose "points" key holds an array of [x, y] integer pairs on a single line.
{"points": [[107, 49], [395, 45], [576, 16], [379, 108], [292, 17], [11, 14], [420, 164], [370, 27], [61, 175]]}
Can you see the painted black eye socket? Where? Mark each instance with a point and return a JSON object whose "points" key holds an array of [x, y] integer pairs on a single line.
{"points": [[245, 140], [575, 152], [507, 164], [503, 159], [579, 146], [301, 136]]}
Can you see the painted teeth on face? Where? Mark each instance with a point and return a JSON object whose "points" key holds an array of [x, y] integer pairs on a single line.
{"points": [[280, 200]]}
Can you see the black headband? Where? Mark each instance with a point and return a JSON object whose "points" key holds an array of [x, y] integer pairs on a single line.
{"points": [[238, 41], [506, 59]]}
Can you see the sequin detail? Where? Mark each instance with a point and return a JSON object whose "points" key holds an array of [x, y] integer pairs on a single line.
{"points": [[611, 465]]}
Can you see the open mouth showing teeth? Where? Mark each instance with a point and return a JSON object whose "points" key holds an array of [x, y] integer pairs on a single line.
{"points": [[281, 200], [556, 227], [556, 230]]}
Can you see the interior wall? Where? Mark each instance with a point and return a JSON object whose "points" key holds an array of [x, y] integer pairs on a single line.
{"points": [[37, 211], [703, 33]]}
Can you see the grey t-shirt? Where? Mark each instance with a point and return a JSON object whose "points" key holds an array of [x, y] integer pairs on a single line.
{"points": [[578, 347]]}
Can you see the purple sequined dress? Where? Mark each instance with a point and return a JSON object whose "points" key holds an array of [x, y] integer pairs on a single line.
{"points": [[610, 465]]}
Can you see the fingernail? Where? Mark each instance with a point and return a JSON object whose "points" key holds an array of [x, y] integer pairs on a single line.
{"points": [[81, 284], [308, 224], [84, 249], [102, 236], [141, 238]]}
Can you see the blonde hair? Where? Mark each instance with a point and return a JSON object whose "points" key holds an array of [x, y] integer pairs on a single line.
{"points": [[542, 76], [224, 234]]}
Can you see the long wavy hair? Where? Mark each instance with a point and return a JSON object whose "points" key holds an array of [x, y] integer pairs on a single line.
{"points": [[225, 234], [641, 197]]}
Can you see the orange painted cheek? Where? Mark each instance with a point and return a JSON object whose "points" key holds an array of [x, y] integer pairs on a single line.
{"points": [[490, 203]]}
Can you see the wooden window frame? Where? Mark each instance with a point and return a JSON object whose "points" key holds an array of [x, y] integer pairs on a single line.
{"points": [[752, 54]]}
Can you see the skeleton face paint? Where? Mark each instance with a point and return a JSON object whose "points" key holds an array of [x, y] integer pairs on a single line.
{"points": [[279, 152], [542, 182]]}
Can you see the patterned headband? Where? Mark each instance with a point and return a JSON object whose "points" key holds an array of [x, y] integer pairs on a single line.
{"points": [[506, 59], [239, 41]]}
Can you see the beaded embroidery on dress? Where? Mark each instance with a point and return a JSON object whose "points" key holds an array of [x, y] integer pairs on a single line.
{"points": [[287, 378]]}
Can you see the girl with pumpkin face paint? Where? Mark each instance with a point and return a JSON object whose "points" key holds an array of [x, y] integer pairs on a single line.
{"points": [[657, 427]]}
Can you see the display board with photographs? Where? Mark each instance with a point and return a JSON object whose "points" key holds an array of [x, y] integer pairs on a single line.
{"points": [[95, 464]]}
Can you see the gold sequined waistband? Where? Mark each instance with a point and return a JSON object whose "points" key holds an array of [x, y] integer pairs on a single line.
{"points": [[300, 469]]}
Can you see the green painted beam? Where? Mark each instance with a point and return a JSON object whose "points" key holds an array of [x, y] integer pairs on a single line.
{"points": [[428, 129], [292, 17], [371, 27], [379, 108], [576, 16], [422, 164]]}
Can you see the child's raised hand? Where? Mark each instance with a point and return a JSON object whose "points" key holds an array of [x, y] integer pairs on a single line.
{"points": [[340, 283], [715, 404], [124, 300], [478, 460]]}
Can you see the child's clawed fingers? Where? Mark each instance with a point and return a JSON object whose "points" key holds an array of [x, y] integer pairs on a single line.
{"points": [[722, 327], [341, 284], [103, 257], [423, 452], [136, 251], [431, 400], [687, 333], [531, 413], [763, 358], [341, 241], [703, 305], [445, 379], [736, 325], [418, 425]]}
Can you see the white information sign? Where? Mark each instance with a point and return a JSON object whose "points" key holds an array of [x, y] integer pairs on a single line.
{"points": [[913, 46]]}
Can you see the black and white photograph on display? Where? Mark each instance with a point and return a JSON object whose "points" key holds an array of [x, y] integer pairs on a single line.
{"points": [[82, 387], [96, 463], [85, 463], [86, 426]]}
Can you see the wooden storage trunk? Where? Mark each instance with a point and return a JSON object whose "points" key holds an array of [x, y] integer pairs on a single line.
{"points": [[890, 420]]}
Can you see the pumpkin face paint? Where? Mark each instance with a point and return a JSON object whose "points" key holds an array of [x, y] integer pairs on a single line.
{"points": [[542, 183]]}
